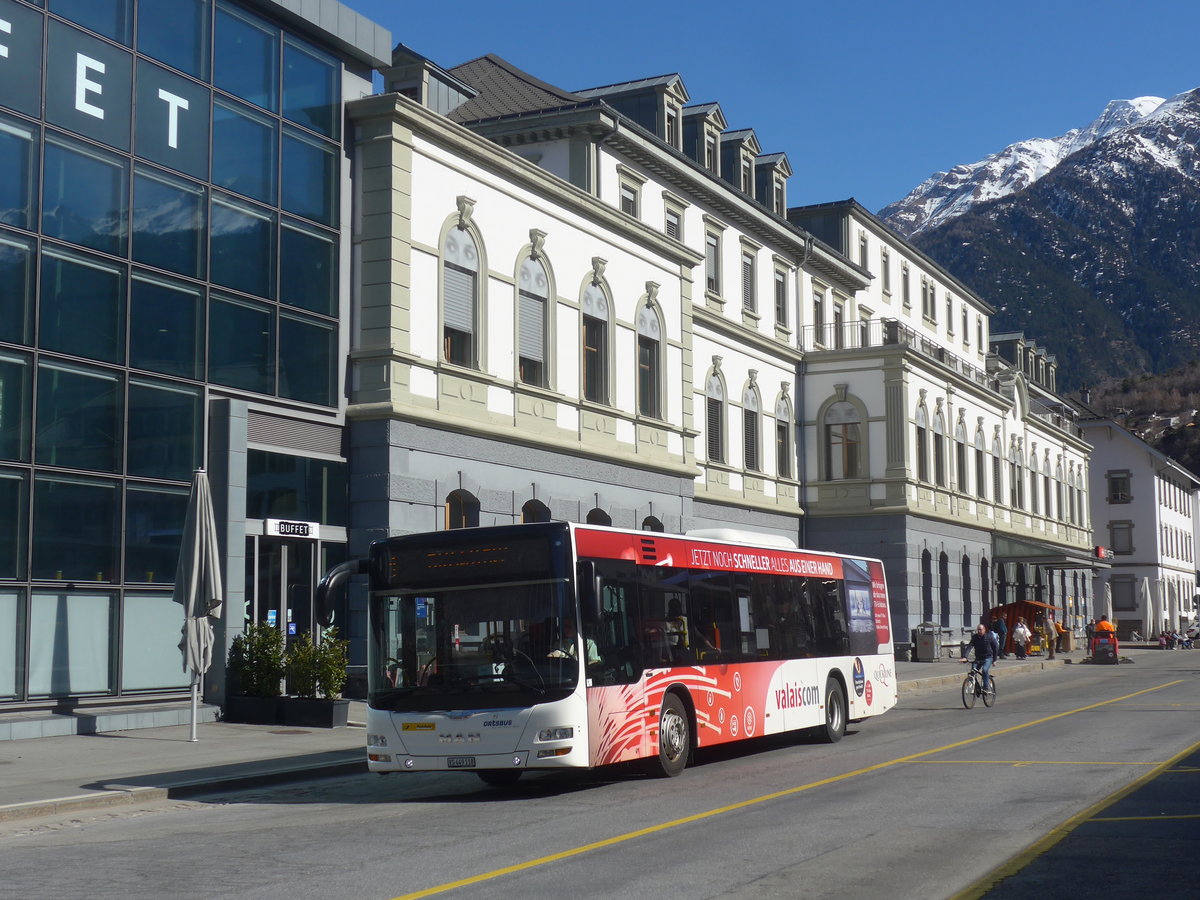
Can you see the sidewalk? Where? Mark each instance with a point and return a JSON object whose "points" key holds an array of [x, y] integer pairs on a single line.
{"points": [[39, 776]]}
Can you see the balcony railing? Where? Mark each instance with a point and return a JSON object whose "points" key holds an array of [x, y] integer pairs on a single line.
{"points": [[869, 333]]}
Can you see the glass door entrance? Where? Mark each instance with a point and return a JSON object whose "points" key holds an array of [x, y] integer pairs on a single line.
{"points": [[285, 585], [281, 576]]}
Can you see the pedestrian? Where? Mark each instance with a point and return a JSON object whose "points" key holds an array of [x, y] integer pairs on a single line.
{"points": [[1021, 636], [1049, 635], [1000, 629], [1059, 631], [1090, 630]]}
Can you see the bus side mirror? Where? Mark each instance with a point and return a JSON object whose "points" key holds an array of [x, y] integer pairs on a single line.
{"points": [[587, 584]]}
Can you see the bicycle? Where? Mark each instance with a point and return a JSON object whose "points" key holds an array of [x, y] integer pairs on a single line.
{"points": [[972, 687]]}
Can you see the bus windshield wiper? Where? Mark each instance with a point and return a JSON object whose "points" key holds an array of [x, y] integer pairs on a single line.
{"points": [[511, 674]]}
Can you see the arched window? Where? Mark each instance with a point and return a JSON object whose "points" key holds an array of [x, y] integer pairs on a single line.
{"points": [[1059, 508], [981, 483], [783, 438], [650, 523], [1074, 495], [843, 441], [598, 516], [922, 444], [649, 357], [462, 510], [750, 430], [714, 418], [985, 585], [1046, 490], [533, 294], [926, 586], [997, 471], [960, 457], [969, 618], [595, 308], [944, 588], [535, 511], [1033, 483], [1016, 478], [939, 449], [460, 298]]}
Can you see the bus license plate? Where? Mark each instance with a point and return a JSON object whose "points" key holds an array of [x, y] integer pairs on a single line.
{"points": [[460, 762]]}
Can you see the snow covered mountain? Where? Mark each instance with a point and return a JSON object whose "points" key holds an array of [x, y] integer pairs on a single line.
{"points": [[1098, 258], [945, 195]]}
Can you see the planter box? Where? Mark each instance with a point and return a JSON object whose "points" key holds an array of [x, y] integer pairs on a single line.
{"points": [[315, 713], [253, 710]]}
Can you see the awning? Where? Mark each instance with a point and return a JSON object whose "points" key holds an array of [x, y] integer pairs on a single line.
{"points": [[1005, 606], [1011, 550]]}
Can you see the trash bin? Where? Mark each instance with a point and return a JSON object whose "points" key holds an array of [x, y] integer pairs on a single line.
{"points": [[928, 642], [1068, 642]]}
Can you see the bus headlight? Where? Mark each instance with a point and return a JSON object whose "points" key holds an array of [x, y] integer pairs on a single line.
{"points": [[556, 734]]}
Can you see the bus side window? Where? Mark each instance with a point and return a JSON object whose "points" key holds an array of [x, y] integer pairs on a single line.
{"points": [[713, 614], [829, 615], [617, 634]]}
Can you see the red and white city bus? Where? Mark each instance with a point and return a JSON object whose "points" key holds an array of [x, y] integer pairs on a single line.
{"points": [[556, 645]]}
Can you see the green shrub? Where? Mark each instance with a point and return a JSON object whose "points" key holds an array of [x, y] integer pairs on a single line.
{"points": [[318, 671], [257, 659]]}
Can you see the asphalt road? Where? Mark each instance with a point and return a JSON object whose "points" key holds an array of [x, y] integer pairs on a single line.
{"points": [[1074, 779]]}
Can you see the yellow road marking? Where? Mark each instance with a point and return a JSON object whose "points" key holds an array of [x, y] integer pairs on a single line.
{"points": [[755, 801], [1029, 762], [1017, 863], [1143, 818]]}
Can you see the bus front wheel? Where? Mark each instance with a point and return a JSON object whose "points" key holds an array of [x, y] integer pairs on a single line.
{"points": [[835, 714], [674, 738]]}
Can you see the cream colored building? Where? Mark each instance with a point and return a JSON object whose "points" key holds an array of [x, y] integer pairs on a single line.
{"points": [[935, 445], [596, 306]]}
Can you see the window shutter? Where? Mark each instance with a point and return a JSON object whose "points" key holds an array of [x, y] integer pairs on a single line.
{"points": [[532, 327], [716, 452], [459, 298], [750, 435]]}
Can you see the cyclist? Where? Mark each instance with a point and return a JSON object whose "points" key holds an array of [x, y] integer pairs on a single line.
{"points": [[987, 651]]}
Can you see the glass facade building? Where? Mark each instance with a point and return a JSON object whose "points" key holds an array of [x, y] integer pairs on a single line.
{"points": [[173, 259]]}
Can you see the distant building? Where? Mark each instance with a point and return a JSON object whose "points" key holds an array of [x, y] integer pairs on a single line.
{"points": [[934, 444], [1144, 511]]}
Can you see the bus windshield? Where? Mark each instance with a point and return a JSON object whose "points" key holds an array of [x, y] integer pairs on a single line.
{"points": [[473, 647]]}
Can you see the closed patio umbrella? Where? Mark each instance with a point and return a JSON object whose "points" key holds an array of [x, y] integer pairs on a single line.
{"points": [[198, 586], [1148, 610]]}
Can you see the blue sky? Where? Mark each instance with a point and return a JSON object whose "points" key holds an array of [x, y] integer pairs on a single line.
{"points": [[867, 99]]}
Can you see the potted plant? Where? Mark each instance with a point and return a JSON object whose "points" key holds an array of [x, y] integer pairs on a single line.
{"points": [[256, 661], [316, 674]]}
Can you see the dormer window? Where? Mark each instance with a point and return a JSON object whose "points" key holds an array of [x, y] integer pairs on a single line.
{"points": [[672, 135], [747, 176], [710, 153], [778, 204]]}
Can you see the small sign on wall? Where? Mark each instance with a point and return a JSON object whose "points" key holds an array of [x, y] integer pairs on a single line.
{"points": [[289, 528]]}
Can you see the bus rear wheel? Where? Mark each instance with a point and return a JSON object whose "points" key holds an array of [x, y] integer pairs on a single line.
{"points": [[835, 714], [674, 738]]}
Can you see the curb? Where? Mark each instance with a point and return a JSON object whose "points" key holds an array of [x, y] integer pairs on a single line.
{"points": [[124, 796], [939, 681]]}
